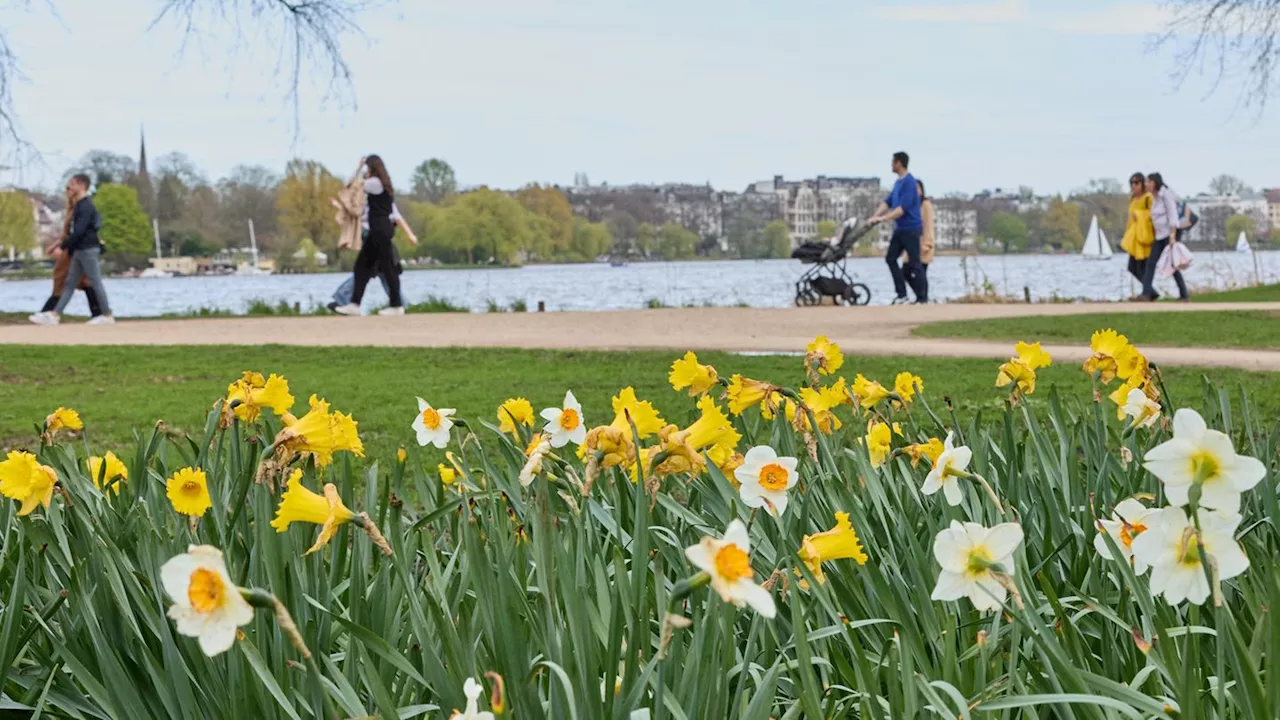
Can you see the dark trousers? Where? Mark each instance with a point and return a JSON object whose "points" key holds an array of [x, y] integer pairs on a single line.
{"points": [[1149, 275], [377, 257], [1137, 268], [94, 308], [907, 241]]}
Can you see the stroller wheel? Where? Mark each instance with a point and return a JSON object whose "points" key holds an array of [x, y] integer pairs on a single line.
{"points": [[807, 298], [858, 294]]}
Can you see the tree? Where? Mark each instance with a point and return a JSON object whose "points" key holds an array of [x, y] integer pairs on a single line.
{"points": [[1212, 228], [1061, 225], [676, 243], [126, 232], [200, 214], [481, 226], [827, 229], [554, 232], [303, 203], [249, 193], [1105, 186], [1228, 185], [103, 166], [17, 221], [433, 181], [1009, 230], [590, 240], [1237, 224], [1232, 38], [777, 239]]}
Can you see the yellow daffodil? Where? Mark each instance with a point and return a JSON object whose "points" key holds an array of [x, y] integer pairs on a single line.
{"points": [[824, 355], [838, 543], [1131, 365], [726, 460], [678, 455], [300, 504], [712, 428], [820, 404], [188, 490], [1106, 345], [614, 441], [879, 443], [1018, 373], [206, 604], [646, 418], [513, 412], [63, 419], [448, 475], [868, 392], [401, 455], [106, 470], [728, 563], [320, 433], [744, 393], [1033, 355], [614, 445], [687, 373], [905, 386], [930, 451], [24, 479], [252, 392]]}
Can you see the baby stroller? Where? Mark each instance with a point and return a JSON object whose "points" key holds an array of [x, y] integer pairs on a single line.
{"points": [[828, 277]]}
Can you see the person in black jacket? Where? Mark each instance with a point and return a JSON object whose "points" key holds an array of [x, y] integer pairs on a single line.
{"points": [[85, 249]]}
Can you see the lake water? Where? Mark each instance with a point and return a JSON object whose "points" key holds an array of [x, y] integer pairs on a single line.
{"points": [[763, 283]]}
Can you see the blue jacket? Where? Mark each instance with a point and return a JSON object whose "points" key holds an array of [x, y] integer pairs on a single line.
{"points": [[85, 224], [906, 195]]}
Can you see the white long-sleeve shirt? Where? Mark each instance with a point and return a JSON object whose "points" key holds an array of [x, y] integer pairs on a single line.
{"points": [[1164, 213], [373, 186]]}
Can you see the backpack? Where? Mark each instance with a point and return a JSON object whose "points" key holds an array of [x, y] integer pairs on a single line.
{"points": [[1182, 213]]}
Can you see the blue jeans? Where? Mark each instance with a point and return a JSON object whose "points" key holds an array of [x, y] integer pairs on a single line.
{"points": [[84, 262], [342, 296], [908, 241]]}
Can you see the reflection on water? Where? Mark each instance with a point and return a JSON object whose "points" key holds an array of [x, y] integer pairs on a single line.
{"points": [[763, 283]]}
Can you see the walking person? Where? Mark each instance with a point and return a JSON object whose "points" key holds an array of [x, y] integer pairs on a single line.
{"points": [[85, 249], [61, 264], [1139, 234], [903, 207], [928, 237], [377, 253], [1165, 220]]}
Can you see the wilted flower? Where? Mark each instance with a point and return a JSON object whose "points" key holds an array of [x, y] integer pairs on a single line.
{"points": [[565, 424], [1171, 546], [319, 433], [820, 404], [929, 450], [687, 373], [879, 443], [974, 560], [533, 465], [1106, 346], [765, 478], [1126, 524], [24, 479], [614, 441], [300, 504], [188, 490], [63, 419], [432, 425], [824, 355], [838, 543], [1017, 372], [472, 690], [744, 393], [947, 471], [252, 393], [513, 412], [1198, 456], [104, 470], [206, 604], [728, 563]]}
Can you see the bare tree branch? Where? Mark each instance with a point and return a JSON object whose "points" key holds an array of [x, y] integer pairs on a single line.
{"points": [[1236, 40]]}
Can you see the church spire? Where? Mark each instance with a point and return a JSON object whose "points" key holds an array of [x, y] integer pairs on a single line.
{"points": [[142, 154]]}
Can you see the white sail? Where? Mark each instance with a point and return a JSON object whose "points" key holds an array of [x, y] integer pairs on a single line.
{"points": [[1095, 243], [1242, 244]]}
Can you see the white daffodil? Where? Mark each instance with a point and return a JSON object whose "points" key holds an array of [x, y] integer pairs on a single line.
{"points": [[565, 424], [1128, 521], [433, 425], [472, 690], [533, 465], [206, 604], [970, 555], [765, 479], [728, 563], [1171, 547], [1141, 408], [946, 472], [1199, 456]]}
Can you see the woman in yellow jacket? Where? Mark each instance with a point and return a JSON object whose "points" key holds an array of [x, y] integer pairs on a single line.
{"points": [[1139, 233]]}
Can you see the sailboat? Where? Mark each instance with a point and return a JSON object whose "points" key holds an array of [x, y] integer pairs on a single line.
{"points": [[1096, 246], [252, 268], [1242, 245], [154, 271]]}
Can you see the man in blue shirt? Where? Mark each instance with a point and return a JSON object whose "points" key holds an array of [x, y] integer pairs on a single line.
{"points": [[903, 207]]}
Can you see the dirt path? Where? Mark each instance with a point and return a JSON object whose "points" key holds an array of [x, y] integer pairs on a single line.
{"points": [[866, 331]]}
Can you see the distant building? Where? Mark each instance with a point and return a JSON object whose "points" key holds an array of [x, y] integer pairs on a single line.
{"points": [[1214, 210], [1273, 206], [176, 265], [806, 203], [955, 224]]}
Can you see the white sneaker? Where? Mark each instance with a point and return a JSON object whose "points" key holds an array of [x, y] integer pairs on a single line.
{"points": [[391, 311], [44, 318], [101, 320], [900, 301], [348, 309]]}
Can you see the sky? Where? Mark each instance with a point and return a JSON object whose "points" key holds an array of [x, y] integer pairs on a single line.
{"points": [[996, 93]]}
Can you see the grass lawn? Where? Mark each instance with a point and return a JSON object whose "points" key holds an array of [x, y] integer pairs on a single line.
{"points": [[120, 390], [1257, 293], [1255, 329]]}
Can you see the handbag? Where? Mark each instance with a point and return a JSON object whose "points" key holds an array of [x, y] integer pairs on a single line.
{"points": [[1176, 258]]}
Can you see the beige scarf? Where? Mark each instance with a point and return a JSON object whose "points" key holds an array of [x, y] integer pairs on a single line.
{"points": [[351, 213]]}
